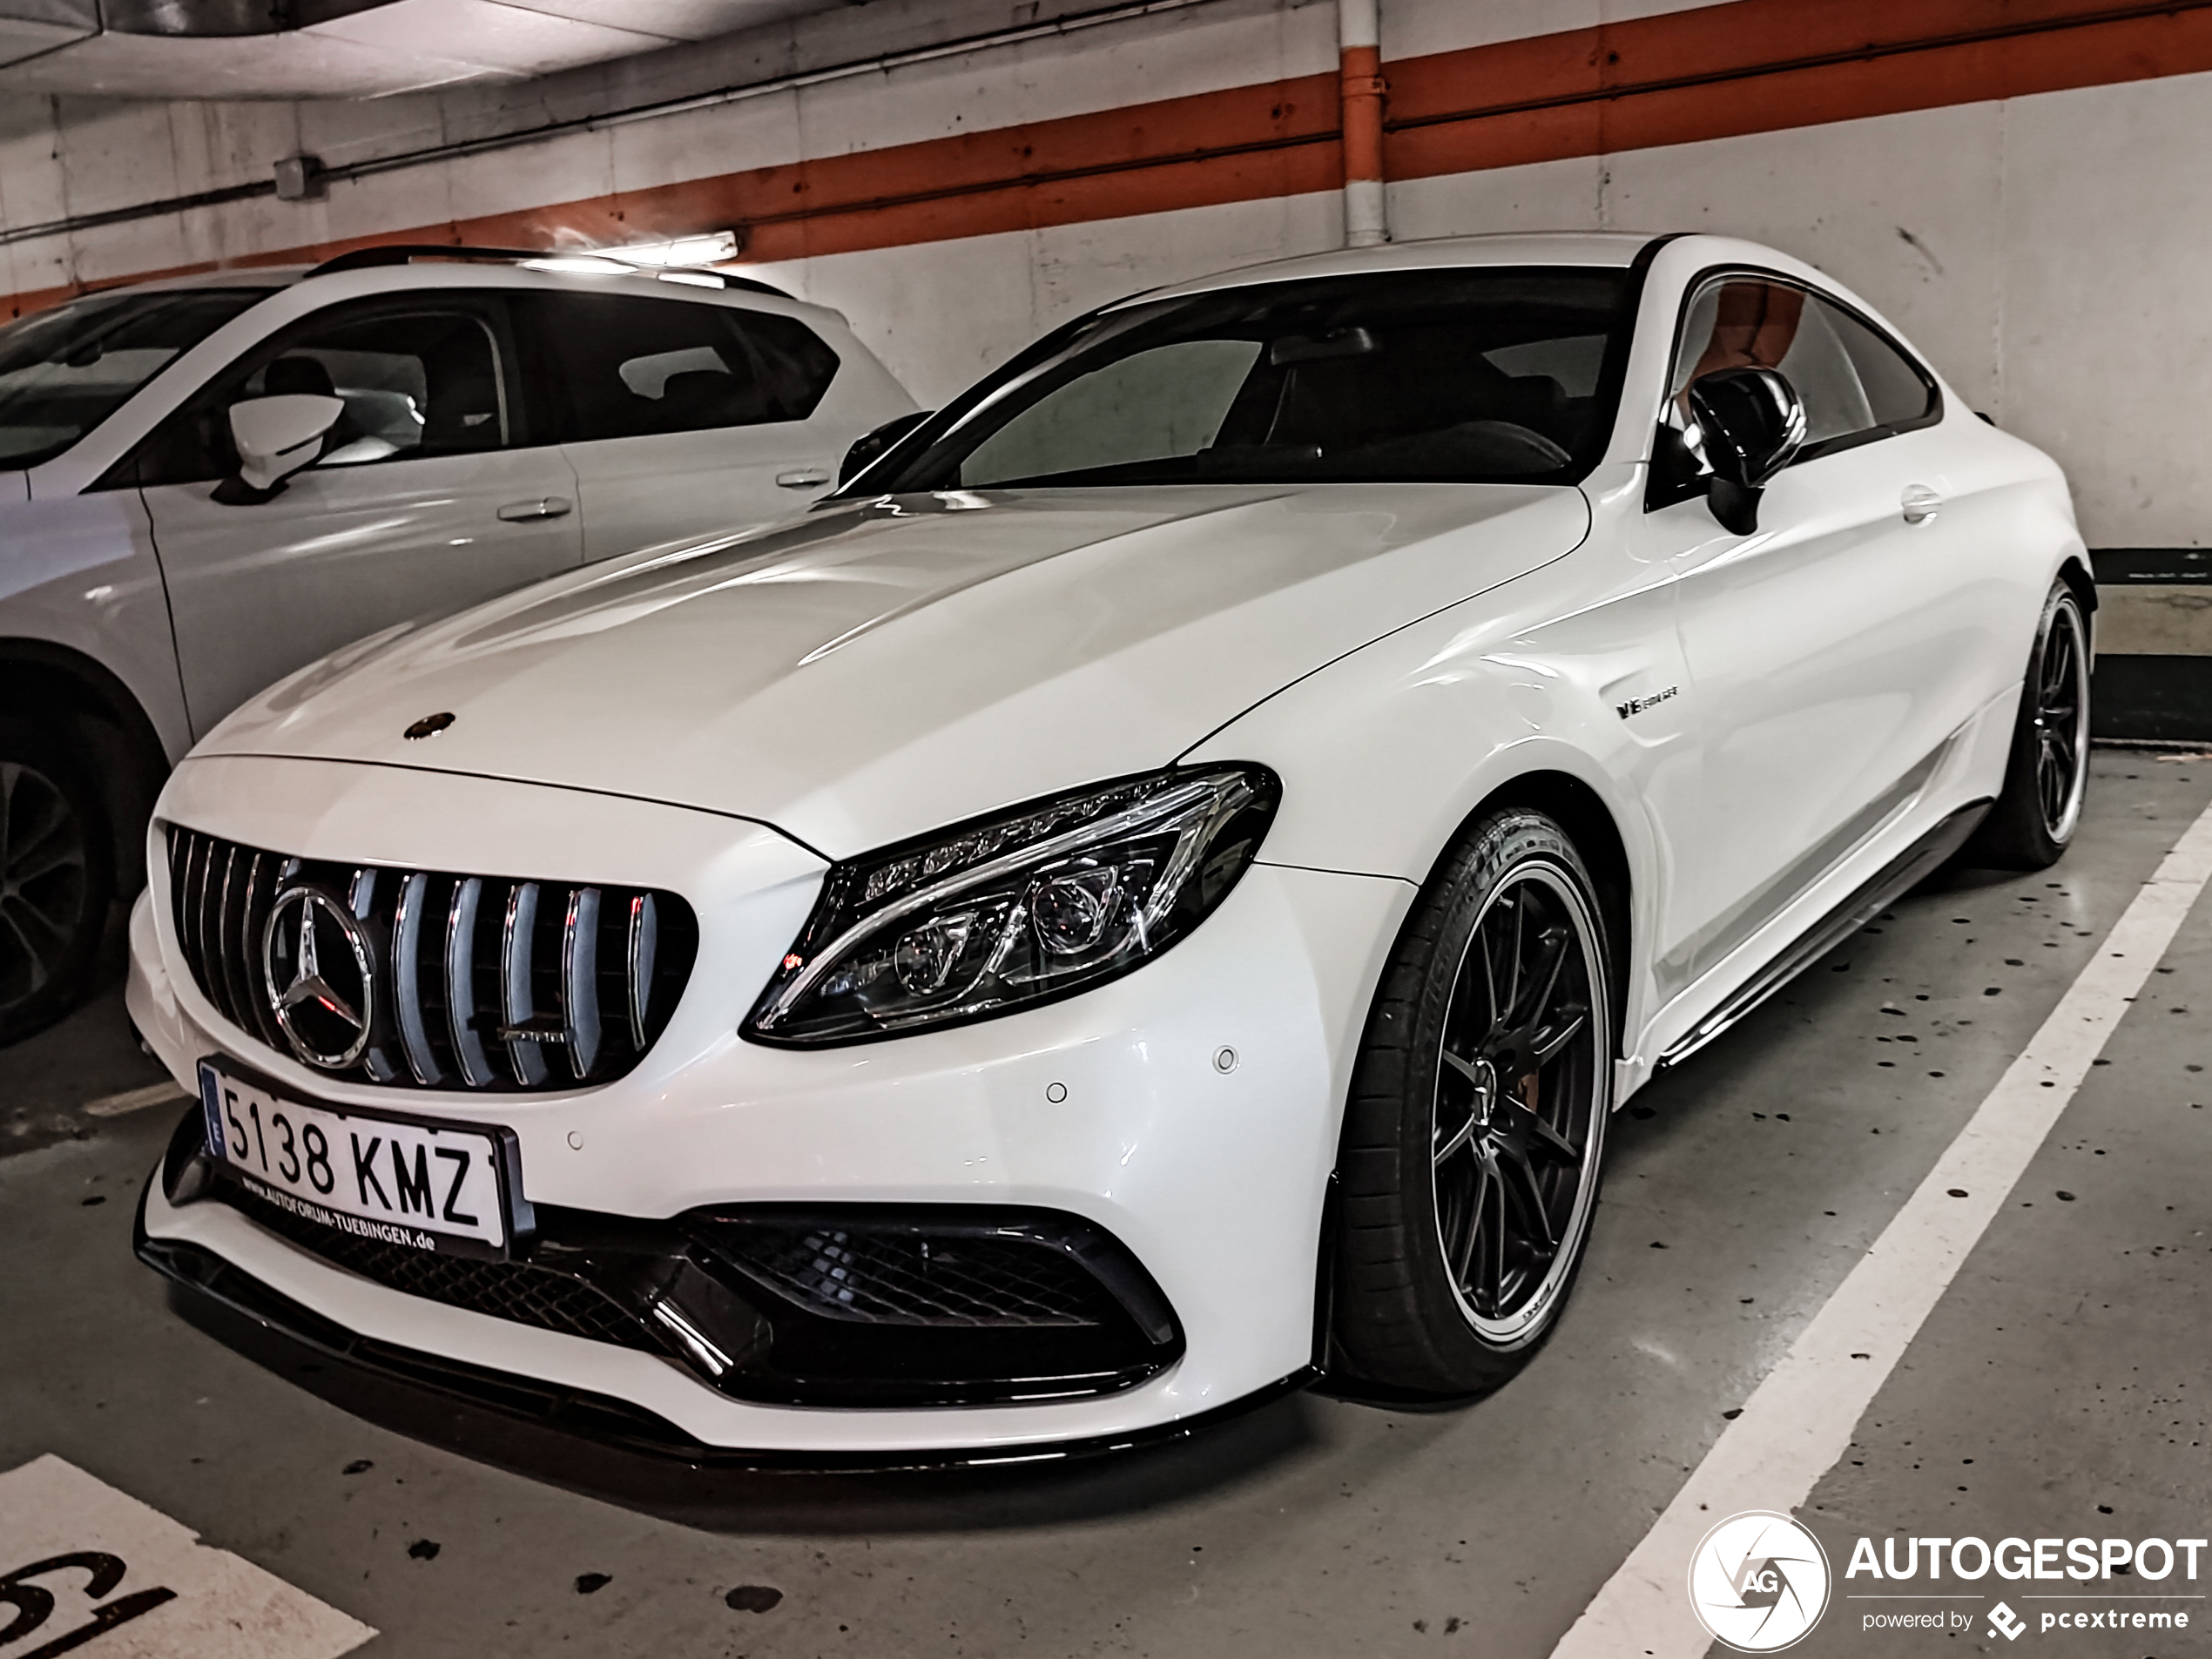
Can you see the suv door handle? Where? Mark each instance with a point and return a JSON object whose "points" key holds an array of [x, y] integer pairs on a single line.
{"points": [[803, 478], [1919, 503], [521, 512]]}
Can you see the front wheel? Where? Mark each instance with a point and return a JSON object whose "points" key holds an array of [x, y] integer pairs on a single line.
{"points": [[2048, 774], [1475, 1132]]}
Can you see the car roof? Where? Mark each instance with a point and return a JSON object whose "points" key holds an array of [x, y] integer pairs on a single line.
{"points": [[1611, 248]]}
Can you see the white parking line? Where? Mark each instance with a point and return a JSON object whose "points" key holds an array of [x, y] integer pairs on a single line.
{"points": [[133, 1100], [1799, 1420], [87, 1564]]}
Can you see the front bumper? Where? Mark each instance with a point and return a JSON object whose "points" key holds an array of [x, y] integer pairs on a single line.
{"points": [[1189, 1111]]}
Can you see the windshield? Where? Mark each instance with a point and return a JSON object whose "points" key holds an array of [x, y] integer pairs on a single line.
{"points": [[65, 371], [1505, 374]]}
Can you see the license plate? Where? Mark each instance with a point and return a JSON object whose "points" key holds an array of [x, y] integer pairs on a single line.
{"points": [[431, 1186]]}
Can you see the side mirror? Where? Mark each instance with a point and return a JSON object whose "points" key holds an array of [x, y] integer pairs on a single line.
{"points": [[870, 447], [276, 436], [1750, 423]]}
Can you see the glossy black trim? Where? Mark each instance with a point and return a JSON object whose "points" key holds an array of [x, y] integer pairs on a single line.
{"points": [[1899, 876], [601, 1418]]}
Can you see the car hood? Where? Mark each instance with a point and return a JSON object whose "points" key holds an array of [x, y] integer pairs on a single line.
{"points": [[876, 670]]}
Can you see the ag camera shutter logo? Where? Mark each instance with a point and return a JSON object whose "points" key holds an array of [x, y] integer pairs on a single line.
{"points": [[1758, 1582]]}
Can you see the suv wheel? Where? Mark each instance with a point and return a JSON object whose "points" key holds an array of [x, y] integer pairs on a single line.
{"points": [[57, 880]]}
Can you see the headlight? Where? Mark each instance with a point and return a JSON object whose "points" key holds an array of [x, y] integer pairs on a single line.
{"points": [[1014, 910]]}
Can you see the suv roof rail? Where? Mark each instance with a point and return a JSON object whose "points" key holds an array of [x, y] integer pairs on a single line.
{"points": [[362, 259]]}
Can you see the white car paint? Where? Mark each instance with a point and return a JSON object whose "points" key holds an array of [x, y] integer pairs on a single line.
{"points": [[96, 572], [725, 720]]}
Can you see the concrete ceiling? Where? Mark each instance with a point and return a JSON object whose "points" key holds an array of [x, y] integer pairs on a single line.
{"points": [[203, 49]]}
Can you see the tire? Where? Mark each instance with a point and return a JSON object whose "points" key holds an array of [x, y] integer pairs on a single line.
{"points": [[2046, 774], [57, 878], [1467, 1176]]}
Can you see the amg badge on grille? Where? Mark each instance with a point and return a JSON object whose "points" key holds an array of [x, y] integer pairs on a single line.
{"points": [[429, 725]]}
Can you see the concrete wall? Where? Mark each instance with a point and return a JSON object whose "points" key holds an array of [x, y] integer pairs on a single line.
{"points": [[2046, 249]]}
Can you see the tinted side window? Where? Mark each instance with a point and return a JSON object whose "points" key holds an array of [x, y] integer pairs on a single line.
{"points": [[1854, 384], [423, 382], [1898, 392], [627, 366]]}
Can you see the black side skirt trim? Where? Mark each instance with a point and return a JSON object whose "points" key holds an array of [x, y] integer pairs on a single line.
{"points": [[601, 1418], [1892, 881]]}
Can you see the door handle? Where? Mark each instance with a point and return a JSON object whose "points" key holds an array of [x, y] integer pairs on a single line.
{"points": [[521, 512], [1919, 503], [803, 478]]}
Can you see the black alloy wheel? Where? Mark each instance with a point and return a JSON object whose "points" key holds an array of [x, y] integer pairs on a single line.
{"points": [[2046, 777], [1474, 1138], [55, 880], [2061, 722]]}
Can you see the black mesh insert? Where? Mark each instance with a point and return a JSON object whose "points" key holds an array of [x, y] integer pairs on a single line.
{"points": [[516, 1291], [891, 1278]]}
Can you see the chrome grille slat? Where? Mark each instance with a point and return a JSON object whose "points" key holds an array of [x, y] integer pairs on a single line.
{"points": [[645, 937], [580, 978], [478, 979], [460, 985], [525, 1054], [232, 1000], [260, 892], [406, 981], [200, 898]]}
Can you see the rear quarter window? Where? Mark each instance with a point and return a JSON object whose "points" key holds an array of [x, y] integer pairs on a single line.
{"points": [[628, 366]]}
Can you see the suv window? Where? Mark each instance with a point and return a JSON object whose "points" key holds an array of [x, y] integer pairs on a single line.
{"points": [[1856, 386], [416, 380], [65, 371], [625, 366]]}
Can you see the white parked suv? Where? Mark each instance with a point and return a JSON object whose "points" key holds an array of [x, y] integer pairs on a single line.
{"points": [[1154, 887], [211, 481]]}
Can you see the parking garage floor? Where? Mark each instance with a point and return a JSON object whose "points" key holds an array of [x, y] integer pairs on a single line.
{"points": [[2057, 1388]]}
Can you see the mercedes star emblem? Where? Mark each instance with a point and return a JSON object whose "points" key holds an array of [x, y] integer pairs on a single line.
{"points": [[320, 981]]}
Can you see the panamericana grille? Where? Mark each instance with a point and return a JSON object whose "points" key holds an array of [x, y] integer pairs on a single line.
{"points": [[480, 983], [514, 1291]]}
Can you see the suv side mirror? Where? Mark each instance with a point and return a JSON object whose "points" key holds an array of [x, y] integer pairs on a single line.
{"points": [[276, 436], [870, 447], [1750, 422]]}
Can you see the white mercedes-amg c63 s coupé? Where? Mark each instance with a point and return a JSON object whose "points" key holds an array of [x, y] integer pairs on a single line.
{"points": [[1146, 894]]}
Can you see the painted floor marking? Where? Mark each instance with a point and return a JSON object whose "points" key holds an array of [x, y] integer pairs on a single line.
{"points": [[1798, 1421], [101, 1572], [133, 1100]]}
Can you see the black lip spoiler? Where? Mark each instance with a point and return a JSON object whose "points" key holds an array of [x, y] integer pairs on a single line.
{"points": [[599, 1419]]}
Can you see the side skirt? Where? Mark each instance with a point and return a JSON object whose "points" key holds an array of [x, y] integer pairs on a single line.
{"points": [[1892, 881]]}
